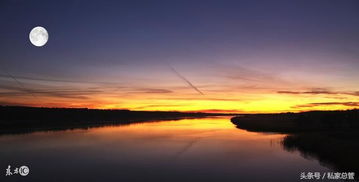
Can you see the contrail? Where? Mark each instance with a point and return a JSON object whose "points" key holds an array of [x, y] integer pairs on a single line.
{"points": [[187, 81], [19, 83]]}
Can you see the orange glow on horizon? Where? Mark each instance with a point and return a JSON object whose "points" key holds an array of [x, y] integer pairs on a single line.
{"points": [[214, 103]]}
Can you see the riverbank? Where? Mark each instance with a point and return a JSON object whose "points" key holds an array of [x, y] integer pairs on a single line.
{"points": [[328, 136], [14, 119], [299, 122]]}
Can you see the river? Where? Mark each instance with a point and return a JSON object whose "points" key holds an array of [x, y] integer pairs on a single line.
{"points": [[201, 149]]}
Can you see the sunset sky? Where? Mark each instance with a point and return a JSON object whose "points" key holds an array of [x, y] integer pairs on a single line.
{"points": [[196, 55]]}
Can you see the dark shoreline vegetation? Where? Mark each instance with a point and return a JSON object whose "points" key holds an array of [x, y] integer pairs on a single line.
{"points": [[331, 137], [18, 120]]}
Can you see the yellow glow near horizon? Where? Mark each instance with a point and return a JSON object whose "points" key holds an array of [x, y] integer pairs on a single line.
{"points": [[251, 103], [217, 98]]}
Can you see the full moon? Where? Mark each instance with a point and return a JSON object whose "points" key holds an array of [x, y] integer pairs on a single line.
{"points": [[38, 36]]}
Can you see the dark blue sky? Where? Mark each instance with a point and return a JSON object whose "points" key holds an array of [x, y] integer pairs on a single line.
{"points": [[127, 31], [129, 41]]}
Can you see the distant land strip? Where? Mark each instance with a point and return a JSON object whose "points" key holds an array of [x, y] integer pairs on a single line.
{"points": [[19, 119]]}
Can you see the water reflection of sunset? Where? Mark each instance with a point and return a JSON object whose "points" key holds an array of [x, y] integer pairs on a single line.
{"points": [[206, 148], [200, 127]]}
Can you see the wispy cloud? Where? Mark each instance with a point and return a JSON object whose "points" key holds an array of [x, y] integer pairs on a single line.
{"points": [[20, 84], [318, 91], [349, 104], [10, 90], [305, 92], [18, 77], [238, 73], [151, 90], [205, 99], [73, 94], [151, 106], [48, 88]]}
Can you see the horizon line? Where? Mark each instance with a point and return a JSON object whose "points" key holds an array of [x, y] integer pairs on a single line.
{"points": [[217, 111]]}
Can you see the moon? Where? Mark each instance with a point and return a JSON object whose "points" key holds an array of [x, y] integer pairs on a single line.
{"points": [[38, 36]]}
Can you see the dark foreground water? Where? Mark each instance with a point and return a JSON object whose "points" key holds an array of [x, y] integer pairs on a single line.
{"points": [[206, 149]]}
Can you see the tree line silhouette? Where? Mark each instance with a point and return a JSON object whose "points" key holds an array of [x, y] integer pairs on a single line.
{"points": [[18, 119]]}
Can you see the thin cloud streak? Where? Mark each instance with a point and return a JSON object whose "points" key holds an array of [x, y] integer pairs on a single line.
{"points": [[19, 83], [156, 105], [318, 91], [54, 80], [348, 104], [239, 73], [59, 94], [151, 90], [186, 80]]}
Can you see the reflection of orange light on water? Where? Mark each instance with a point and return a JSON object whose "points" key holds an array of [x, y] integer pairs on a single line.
{"points": [[184, 127], [202, 136]]}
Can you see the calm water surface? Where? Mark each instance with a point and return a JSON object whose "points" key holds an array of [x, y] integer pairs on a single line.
{"points": [[206, 149]]}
